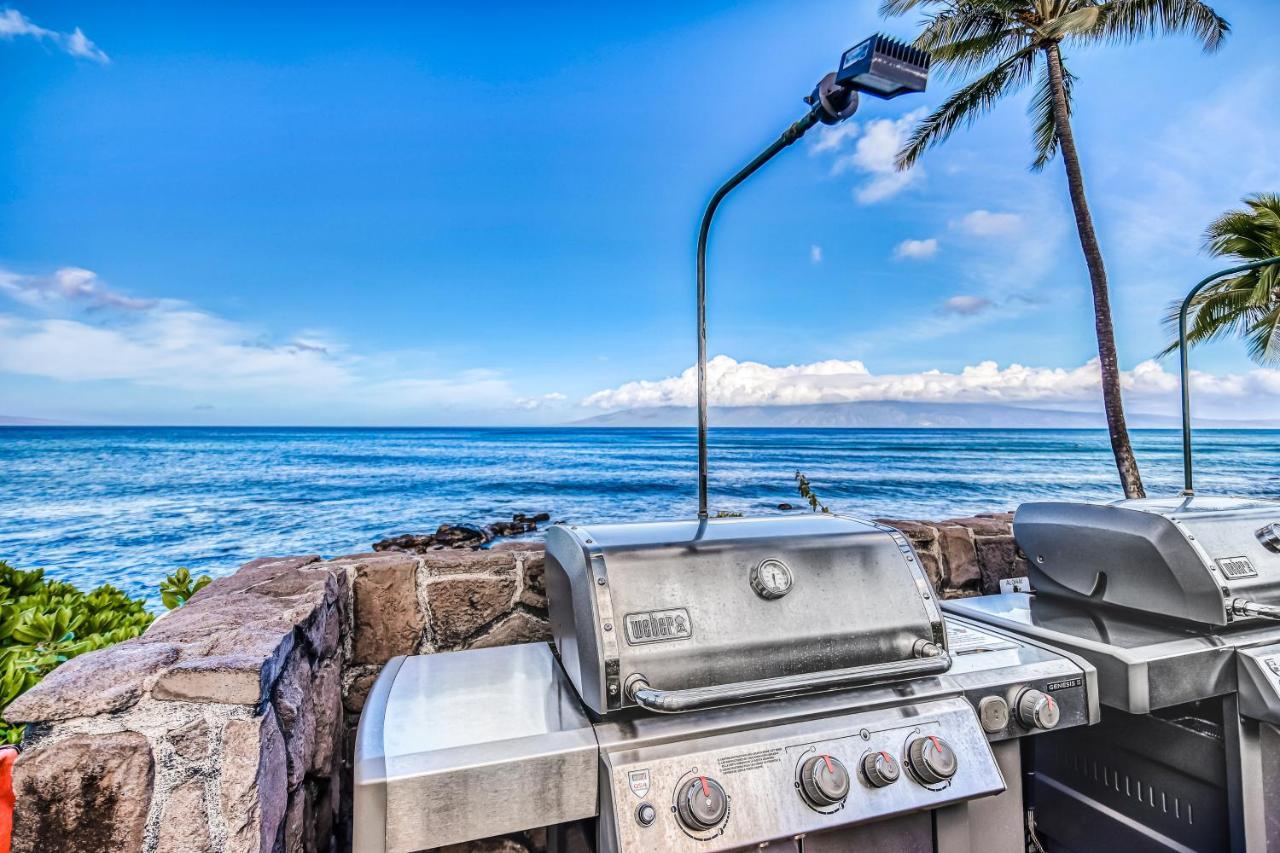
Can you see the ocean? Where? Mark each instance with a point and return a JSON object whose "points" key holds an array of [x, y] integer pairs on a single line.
{"points": [[127, 506]]}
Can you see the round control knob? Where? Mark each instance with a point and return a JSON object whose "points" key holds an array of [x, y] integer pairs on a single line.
{"points": [[702, 804], [880, 769], [993, 712], [932, 759], [1037, 710], [824, 781]]}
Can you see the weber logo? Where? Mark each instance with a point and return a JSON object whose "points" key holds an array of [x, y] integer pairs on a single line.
{"points": [[658, 625], [1237, 567], [1055, 686]]}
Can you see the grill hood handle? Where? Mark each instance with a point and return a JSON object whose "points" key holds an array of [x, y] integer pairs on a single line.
{"points": [[695, 698]]}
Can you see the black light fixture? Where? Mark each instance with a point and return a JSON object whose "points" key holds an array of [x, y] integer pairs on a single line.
{"points": [[880, 66]]}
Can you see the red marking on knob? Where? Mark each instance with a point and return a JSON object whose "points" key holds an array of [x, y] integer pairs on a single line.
{"points": [[937, 747], [888, 759], [706, 789], [830, 768]]}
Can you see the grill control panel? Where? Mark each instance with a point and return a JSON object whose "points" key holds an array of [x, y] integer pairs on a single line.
{"points": [[729, 791]]}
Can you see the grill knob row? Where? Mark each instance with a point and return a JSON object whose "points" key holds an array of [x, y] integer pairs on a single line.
{"points": [[702, 804], [932, 759]]}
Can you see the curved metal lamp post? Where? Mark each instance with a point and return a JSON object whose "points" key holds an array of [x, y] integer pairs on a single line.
{"points": [[1188, 485], [879, 66]]}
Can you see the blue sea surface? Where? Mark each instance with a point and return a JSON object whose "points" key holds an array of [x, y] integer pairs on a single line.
{"points": [[127, 506]]}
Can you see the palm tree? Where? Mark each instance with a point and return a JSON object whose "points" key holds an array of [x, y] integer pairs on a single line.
{"points": [[1247, 305], [1003, 42]]}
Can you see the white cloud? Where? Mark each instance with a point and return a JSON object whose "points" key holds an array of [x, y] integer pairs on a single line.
{"points": [[815, 254], [916, 249], [984, 223], [833, 137], [747, 383], [871, 156], [168, 344], [77, 44], [68, 285], [14, 24], [966, 305], [530, 404]]}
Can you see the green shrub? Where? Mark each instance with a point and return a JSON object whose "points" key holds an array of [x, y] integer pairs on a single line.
{"points": [[45, 622], [179, 586]]}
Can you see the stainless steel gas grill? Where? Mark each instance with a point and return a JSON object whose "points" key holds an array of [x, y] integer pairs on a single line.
{"points": [[721, 684], [1172, 601]]}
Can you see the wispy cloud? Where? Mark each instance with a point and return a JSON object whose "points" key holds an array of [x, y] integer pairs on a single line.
{"points": [[748, 383], [916, 249], [530, 404], [966, 305], [170, 344], [66, 286], [14, 24], [868, 151], [815, 254], [984, 223]]}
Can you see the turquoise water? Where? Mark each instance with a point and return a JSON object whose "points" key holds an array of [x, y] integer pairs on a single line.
{"points": [[129, 505]]}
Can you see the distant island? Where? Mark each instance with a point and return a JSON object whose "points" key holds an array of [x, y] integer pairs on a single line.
{"points": [[891, 414]]}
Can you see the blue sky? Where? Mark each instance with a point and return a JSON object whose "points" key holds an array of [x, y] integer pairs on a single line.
{"points": [[442, 213]]}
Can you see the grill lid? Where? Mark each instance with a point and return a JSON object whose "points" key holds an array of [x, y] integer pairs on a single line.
{"points": [[1190, 558], [683, 614]]}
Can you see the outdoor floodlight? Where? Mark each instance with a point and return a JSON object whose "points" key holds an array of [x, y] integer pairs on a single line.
{"points": [[884, 67], [881, 67]]}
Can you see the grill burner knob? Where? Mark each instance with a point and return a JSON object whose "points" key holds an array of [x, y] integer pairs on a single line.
{"points": [[880, 769], [932, 759], [824, 781], [702, 804], [1037, 710]]}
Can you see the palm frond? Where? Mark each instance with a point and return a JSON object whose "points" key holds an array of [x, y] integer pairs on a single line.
{"points": [[1040, 108], [1251, 234], [968, 103], [962, 58], [1125, 21]]}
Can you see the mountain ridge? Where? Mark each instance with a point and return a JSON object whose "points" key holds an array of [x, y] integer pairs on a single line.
{"points": [[894, 414]]}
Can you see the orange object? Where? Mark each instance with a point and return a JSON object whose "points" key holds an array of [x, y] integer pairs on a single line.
{"points": [[8, 755]]}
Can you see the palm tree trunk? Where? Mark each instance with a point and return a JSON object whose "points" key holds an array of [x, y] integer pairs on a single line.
{"points": [[1111, 397]]}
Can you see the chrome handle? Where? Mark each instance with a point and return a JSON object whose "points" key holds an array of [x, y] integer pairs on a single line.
{"points": [[1245, 607], [695, 698]]}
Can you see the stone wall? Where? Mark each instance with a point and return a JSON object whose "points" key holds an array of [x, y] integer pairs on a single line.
{"points": [[229, 725]]}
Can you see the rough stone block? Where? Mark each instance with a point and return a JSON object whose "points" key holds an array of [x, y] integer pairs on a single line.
{"points": [[100, 682], [358, 690], [985, 525], [253, 783], [916, 531], [959, 556], [83, 794], [191, 740], [999, 558], [294, 702], [461, 606], [932, 568], [533, 588], [460, 562], [517, 627], [231, 679], [387, 619], [184, 823], [326, 692]]}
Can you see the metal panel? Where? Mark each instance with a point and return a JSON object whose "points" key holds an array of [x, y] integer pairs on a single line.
{"points": [[1142, 664], [473, 744], [857, 598], [758, 771]]}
